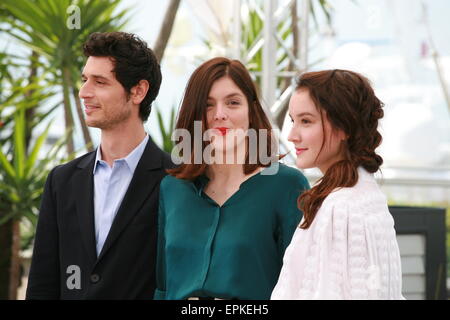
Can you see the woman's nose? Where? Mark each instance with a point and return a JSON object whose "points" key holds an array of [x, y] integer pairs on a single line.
{"points": [[293, 136], [220, 113]]}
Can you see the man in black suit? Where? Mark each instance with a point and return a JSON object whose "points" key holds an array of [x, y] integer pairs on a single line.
{"points": [[96, 234]]}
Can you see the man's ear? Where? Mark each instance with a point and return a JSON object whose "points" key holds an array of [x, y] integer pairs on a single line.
{"points": [[139, 91]]}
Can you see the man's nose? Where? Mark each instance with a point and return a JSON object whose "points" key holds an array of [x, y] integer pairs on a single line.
{"points": [[85, 91]]}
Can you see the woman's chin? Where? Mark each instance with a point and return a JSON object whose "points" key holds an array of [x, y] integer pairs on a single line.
{"points": [[303, 165]]}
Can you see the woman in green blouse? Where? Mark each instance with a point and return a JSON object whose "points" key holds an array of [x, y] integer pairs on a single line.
{"points": [[226, 214]]}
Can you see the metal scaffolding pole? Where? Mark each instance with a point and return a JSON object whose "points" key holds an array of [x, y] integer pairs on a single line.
{"points": [[269, 65], [272, 41], [435, 56], [237, 30], [304, 35]]}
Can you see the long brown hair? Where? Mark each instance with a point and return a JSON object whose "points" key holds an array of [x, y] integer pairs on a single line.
{"points": [[194, 104], [349, 103]]}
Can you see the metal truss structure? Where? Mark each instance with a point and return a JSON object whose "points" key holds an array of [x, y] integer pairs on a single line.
{"points": [[272, 42]]}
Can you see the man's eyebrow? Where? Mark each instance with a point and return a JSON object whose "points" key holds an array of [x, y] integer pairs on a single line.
{"points": [[96, 76]]}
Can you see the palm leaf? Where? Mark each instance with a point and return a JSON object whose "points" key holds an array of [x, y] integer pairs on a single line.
{"points": [[36, 148]]}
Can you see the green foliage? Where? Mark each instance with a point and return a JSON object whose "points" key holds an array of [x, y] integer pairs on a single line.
{"points": [[43, 26], [56, 30], [23, 175], [166, 133]]}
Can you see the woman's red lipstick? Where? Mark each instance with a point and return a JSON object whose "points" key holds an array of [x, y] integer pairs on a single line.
{"points": [[222, 130]]}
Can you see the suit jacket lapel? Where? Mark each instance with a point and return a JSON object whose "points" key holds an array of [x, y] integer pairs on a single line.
{"points": [[145, 178], [83, 188]]}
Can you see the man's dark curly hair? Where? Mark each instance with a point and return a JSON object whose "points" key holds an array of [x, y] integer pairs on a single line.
{"points": [[133, 61]]}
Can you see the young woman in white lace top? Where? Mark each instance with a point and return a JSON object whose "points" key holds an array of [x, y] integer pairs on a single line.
{"points": [[345, 246]]}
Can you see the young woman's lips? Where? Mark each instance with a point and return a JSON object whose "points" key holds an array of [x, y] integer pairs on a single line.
{"points": [[299, 151], [222, 130]]}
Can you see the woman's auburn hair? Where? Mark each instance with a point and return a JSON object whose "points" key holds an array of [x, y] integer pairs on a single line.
{"points": [[348, 101], [194, 104]]}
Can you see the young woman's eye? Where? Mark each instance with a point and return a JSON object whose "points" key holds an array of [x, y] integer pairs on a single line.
{"points": [[234, 102], [100, 82], [305, 121]]}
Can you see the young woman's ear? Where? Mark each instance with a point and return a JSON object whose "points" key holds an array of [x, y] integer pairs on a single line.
{"points": [[342, 136]]}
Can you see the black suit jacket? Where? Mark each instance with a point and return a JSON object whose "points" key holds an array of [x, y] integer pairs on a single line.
{"points": [[65, 264]]}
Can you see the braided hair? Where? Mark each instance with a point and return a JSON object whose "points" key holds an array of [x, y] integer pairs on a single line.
{"points": [[348, 101]]}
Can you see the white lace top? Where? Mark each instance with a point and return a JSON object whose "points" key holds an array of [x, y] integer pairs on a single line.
{"points": [[350, 251]]}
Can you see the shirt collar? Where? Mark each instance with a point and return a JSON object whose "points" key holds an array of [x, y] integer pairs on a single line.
{"points": [[132, 159], [365, 175]]}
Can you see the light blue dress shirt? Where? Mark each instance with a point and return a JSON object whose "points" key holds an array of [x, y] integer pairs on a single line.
{"points": [[110, 186]]}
